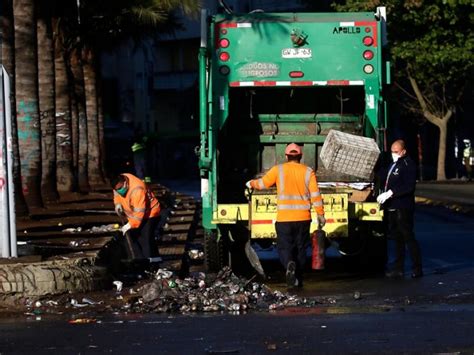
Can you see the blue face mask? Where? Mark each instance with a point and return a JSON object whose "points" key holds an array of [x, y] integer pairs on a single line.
{"points": [[122, 191]]}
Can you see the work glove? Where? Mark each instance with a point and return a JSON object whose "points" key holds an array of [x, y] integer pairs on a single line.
{"points": [[384, 197], [126, 228], [248, 184], [321, 221], [119, 209]]}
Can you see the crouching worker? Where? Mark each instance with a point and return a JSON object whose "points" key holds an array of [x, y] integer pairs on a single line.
{"points": [[134, 201]]}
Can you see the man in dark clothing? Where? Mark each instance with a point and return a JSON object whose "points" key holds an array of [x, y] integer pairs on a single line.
{"points": [[398, 202]]}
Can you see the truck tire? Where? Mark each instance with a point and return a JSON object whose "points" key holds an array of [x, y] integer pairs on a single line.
{"points": [[366, 249], [213, 252]]}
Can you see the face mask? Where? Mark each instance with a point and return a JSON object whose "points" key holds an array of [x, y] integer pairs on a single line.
{"points": [[122, 191], [395, 157]]}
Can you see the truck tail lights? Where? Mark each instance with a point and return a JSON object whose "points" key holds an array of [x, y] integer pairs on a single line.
{"points": [[224, 70], [368, 55], [296, 74], [224, 43], [368, 41], [224, 56], [368, 69]]}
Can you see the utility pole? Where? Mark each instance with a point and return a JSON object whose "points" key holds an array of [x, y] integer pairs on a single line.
{"points": [[8, 247]]}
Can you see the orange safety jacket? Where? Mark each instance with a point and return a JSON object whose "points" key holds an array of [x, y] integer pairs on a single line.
{"points": [[297, 191], [139, 203]]}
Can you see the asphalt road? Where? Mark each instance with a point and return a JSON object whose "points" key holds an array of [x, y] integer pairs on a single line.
{"points": [[434, 314]]}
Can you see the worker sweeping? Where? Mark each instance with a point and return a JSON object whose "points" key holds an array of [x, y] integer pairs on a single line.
{"points": [[138, 204], [297, 192]]}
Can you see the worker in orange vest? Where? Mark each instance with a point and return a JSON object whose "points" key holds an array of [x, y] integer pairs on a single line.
{"points": [[297, 192], [138, 204]]}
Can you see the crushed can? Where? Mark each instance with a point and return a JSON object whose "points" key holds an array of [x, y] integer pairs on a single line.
{"points": [[318, 249]]}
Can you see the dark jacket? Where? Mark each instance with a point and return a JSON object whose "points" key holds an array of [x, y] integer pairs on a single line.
{"points": [[402, 182]]}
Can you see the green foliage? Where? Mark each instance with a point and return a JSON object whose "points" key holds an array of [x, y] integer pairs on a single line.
{"points": [[431, 39], [105, 23]]}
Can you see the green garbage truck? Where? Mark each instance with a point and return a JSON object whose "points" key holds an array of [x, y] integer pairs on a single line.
{"points": [[270, 79]]}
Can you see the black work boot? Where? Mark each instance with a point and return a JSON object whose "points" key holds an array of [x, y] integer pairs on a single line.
{"points": [[291, 274]]}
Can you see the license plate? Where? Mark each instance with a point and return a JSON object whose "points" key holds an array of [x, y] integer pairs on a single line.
{"points": [[296, 53]]}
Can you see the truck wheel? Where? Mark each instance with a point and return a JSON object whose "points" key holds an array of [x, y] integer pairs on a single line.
{"points": [[213, 251], [366, 249]]}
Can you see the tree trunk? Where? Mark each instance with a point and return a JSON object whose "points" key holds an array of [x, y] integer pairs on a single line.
{"points": [[100, 111], [8, 61], [64, 172], [26, 89], [443, 133], [440, 121], [74, 120], [93, 147], [47, 110], [78, 77]]}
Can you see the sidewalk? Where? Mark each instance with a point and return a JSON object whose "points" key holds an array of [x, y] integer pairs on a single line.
{"points": [[457, 195]]}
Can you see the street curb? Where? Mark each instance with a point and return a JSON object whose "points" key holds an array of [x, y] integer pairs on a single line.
{"points": [[469, 210]]}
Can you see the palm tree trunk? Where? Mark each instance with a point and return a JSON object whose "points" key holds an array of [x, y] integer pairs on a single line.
{"points": [[26, 90], [8, 61], [64, 174], [93, 147], [100, 110], [74, 120], [47, 109], [78, 77]]}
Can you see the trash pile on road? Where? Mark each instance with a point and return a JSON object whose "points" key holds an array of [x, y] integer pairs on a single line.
{"points": [[221, 292], [95, 229]]}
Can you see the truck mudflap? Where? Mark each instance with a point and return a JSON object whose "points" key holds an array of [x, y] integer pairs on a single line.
{"points": [[339, 212]]}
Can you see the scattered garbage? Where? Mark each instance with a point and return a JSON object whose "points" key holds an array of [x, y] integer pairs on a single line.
{"points": [[196, 254], [221, 292], [357, 295], [72, 230], [105, 228], [82, 321], [75, 303], [79, 243], [118, 285]]}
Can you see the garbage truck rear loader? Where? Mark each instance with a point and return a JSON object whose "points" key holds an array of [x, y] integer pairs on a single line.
{"points": [[269, 79]]}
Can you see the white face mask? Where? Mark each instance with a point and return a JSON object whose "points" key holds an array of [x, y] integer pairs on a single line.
{"points": [[395, 157]]}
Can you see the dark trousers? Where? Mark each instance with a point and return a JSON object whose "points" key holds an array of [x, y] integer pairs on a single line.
{"points": [[400, 229], [143, 239], [292, 242]]}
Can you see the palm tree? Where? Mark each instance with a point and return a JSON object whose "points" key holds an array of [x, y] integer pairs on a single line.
{"points": [[64, 173], [8, 61], [105, 24], [47, 104], [79, 92], [26, 90], [90, 79]]}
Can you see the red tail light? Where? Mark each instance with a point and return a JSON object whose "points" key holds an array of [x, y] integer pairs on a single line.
{"points": [[368, 55], [224, 56], [224, 43], [368, 41], [296, 74]]}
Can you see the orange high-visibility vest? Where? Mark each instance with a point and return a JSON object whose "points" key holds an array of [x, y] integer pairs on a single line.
{"points": [[139, 203], [297, 191]]}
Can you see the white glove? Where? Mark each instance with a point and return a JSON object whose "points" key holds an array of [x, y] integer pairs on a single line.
{"points": [[321, 221], [126, 228], [384, 197], [119, 209], [248, 184]]}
